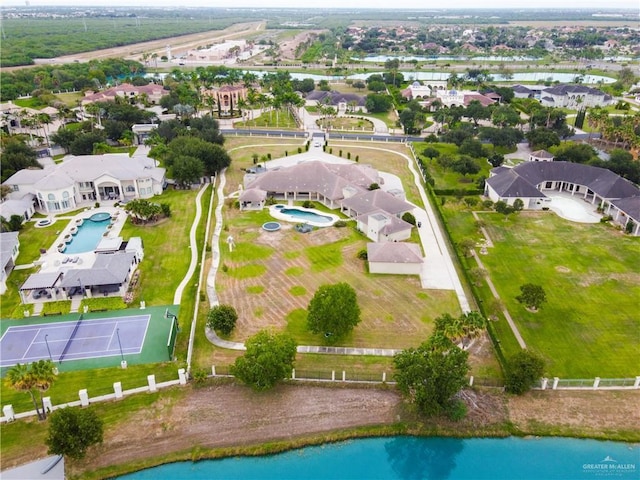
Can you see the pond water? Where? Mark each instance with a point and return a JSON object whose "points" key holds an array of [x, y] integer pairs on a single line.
{"points": [[414, 458], [419, 75]]}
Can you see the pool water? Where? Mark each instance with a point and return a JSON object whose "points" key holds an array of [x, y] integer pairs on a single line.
{"points": [[88, 236], [424, 458], [303, 215]]}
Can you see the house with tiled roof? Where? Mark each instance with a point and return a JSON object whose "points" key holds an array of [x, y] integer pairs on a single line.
{"points": [[65, 186], [131, 93], [532, 181]]}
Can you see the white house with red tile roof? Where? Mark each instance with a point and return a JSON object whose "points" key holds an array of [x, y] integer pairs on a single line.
{"points": [[127, 91]]}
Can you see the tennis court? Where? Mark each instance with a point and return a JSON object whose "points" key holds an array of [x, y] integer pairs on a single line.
{"points": [[74, 340]]}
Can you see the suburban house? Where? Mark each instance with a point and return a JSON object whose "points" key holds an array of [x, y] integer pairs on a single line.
{"points": [[343, 102], [86, 179], [462, 98], [574, 96], [520, 91], [529, 181], [541, 156], [132, 93], [9, 250]]}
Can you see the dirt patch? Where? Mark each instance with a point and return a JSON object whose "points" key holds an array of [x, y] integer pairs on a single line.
{"points": [[561, 269], [288, 47], [593, 412]]}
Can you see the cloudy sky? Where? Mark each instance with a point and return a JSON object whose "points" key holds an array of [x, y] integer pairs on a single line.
{"points": [[397, 4]]}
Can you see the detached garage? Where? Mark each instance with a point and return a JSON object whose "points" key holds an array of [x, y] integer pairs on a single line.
{"points": [[394, 258]]}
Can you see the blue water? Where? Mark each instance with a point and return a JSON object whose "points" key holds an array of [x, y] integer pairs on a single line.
{"points": [[412, 458], [88, 236], [304, 215]]}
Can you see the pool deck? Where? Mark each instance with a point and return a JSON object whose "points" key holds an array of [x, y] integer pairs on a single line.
{"points": [[52, 260], [274, 211], [573, 208]]}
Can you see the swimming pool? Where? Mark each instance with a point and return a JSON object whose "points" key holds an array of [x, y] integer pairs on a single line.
{"points": [[88, 235], [303, 215]]}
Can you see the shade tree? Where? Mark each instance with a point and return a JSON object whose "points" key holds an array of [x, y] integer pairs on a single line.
{"points": [[268, 359], [333, 311]]}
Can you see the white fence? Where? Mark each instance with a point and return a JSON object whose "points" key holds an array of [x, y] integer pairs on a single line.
{"points": [[9, 415]]}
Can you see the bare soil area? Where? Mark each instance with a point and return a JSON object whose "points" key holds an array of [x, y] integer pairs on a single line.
{"points": [[591, 412]]}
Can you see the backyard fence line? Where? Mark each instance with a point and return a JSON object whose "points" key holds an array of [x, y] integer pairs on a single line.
{"points": [[343, 376], [8, 414], [596, 383]]}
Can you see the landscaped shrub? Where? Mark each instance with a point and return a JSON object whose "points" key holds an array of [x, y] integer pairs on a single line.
{"points": [[357, 158], [308, 204], [222, 318], [340, 154], [471, 201], [349, 155], [340, 224], [299, 149], [374, 186], [362, 254], [409, 218], [605, 219], [225, 268], [629, 227], [487, 204]]}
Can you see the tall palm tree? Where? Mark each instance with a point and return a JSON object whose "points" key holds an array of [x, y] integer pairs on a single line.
{"points": [[20, 378], [44, 374]]}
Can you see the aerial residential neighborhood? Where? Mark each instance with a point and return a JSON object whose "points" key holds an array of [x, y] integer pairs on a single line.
{"points": [[387, 243]]}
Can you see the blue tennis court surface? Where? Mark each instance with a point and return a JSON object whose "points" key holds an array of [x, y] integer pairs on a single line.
{"points": [[91, 338]]}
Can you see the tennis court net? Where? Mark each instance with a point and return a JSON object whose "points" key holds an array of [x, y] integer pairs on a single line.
{"points": [[73, 334]]}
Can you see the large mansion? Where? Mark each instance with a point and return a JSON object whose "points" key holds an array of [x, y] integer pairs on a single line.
{"points": [[529, 181], [86, 179]]}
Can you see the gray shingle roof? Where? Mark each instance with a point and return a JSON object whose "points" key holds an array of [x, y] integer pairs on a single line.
{"points": [[603, 182], [630, 206], [324, 178], [394, 252], [8, 241], [38, 281], [372, 200], [108, 269], [569, 89], [509, 184]]}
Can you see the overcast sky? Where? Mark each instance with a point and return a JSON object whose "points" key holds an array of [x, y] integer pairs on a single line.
{"points": [[396, 4]]}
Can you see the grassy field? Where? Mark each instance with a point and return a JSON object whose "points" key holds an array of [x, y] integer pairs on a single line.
{"points": [[591, 276]]}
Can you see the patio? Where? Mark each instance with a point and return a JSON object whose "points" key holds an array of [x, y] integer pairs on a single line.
{"points": [[573, 208]]}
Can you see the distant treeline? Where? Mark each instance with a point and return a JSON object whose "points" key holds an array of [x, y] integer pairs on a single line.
{"points": [[27, 38], [72, 76]]}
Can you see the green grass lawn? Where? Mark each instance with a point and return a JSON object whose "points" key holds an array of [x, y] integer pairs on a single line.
{"points": [[590, 273], [166, 248]]}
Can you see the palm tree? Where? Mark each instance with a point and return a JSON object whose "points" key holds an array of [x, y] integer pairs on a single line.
{"points": [[20, 378], [44, 373]]}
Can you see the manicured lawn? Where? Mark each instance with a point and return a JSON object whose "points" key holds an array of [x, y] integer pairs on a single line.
{"points": [[166, 248], [591, 275]]}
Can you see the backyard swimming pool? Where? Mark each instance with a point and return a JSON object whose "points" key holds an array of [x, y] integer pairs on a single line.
{"points": [[304, 215], [89, 234]]}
